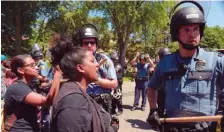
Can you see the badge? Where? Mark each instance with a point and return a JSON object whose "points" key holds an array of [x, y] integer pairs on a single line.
{"points": [[200, 65]]}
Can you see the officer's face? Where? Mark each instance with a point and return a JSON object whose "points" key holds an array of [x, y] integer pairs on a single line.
{"points": [[190, 34], [90, 44], [89, 68]]}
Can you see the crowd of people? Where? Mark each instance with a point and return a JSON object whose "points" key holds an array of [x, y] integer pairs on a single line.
{"points": [[82, 90]]}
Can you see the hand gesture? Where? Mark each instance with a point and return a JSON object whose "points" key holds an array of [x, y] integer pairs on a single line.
{"points": [[137, 54], [147, 56]]}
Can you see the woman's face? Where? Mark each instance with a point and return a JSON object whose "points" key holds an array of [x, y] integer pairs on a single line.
{"points": [[90, 67], [29, 68]]}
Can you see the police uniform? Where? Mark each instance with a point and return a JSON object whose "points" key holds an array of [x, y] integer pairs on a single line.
{"points": [[117, 94], [107, 71], [192, 84], [45, 111], [43, 68], [141, 81]]}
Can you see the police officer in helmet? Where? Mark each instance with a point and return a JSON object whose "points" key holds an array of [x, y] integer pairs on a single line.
{"points": [[100, 91], [41, 84], [37, 55], [161, 95], [163, 52], [117, 93], [191, 77]]}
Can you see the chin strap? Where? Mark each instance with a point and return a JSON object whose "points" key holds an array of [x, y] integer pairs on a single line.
{"points": [[188, 46]]}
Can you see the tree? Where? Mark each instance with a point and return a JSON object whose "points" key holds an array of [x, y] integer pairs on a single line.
{"points": [[213, 38], [17, 20]]}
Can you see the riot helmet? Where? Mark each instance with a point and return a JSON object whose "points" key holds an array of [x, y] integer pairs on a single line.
{"points": [[185, 16], [163, 52], [87, 31], [37, 51], [114, 56]]}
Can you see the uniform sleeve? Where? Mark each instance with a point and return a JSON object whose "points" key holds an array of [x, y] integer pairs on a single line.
{"points": [[156, 79], [109, 69], [18, 92], [220, 71], [220, 82], [44, 70], [74, 115]]}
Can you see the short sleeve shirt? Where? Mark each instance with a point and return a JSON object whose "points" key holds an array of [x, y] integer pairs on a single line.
{"points": [[187, 92], [109, 72], [142, 69], [14, 102]]}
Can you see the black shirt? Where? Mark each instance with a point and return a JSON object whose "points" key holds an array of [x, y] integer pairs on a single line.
{"points": [[14, 103], [72, 114]]}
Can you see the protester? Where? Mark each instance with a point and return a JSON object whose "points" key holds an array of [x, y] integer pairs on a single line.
{"points": [[100, 91], [73, 109], [21, 101]]}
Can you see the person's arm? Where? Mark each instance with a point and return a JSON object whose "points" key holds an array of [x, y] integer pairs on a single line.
{"points": [[110, 80], [135, 59], [153, 85], [106, 83], [40, 100], [152, 98], [152, 65]]}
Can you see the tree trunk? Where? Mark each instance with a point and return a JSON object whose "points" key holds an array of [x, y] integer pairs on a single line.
{"points": [[123, 50], [18, 30]]}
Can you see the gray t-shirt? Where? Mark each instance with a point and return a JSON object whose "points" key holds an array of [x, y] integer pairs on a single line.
{"points": [[26, 114]]}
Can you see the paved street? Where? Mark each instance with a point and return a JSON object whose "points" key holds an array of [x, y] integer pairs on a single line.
{"points": [[132, 121]]}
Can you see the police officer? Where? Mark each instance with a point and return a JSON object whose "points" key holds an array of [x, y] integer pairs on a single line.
{"points": [[41, 84], [100, 91], [37, 55], [191, 77], [163, 52], [141, 79], [161, 95], [117, 93]]}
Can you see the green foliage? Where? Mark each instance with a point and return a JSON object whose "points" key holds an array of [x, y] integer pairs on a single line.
{"points": [[213, 38], [135, 25]]}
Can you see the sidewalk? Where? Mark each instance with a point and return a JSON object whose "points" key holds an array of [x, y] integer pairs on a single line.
{"points": [[132, 121]]}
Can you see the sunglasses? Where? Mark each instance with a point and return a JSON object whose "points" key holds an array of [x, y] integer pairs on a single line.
{"points": [[89, 42], [32, 65]]}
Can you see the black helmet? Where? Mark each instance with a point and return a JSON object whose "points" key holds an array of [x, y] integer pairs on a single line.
{"points": [[114, 56], [87, 31], [36, 51], [162, 52], [186, 15]]}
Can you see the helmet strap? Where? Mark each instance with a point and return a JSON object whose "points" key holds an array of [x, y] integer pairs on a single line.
{"points": [[188, 46]]}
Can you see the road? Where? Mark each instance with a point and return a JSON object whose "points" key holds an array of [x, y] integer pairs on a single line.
{"points": [[133, 121]]}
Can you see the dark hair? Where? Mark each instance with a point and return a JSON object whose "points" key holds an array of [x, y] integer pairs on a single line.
{"points": [[70, 60], [10, 74], [18, 61], [6, 64], [60, 46]]}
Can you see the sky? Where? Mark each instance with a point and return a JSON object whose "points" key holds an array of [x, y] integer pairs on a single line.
{"points": [[215, 15], [214, 12]]}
